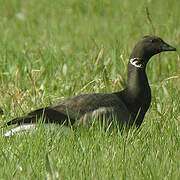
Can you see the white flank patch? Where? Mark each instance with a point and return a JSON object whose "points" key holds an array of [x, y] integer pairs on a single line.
{"points": [[29, 128]]}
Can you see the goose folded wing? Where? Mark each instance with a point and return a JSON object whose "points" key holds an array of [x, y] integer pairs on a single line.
{"points": [[78, 110]]}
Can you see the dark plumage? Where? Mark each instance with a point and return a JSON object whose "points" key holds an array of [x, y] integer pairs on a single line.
{"points": [[127, 106]]}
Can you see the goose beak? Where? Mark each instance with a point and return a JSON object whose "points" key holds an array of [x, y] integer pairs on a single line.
{"points": [[167, 47]]}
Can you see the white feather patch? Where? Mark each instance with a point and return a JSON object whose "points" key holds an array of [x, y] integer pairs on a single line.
{"points": [[30, 128], [135, 62]]}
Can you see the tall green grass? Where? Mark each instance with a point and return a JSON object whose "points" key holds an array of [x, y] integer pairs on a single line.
{"points": [[50, 50]]}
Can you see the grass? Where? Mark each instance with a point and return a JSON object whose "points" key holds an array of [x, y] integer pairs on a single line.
{"points": [[50, 50]]}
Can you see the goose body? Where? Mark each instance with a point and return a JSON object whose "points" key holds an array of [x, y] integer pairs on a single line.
{"points": [[128, 106]]}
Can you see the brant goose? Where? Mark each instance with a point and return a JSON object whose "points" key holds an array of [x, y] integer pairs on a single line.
{"points": [[127, 107]]}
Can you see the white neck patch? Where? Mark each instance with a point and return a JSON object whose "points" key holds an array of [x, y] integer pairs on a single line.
{"points": [[136, 63]]}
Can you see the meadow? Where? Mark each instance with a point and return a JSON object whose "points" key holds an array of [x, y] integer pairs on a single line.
{"points": [[51, 50]]}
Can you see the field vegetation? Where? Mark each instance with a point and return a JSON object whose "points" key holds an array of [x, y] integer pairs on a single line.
{"points": [[50, 50]]}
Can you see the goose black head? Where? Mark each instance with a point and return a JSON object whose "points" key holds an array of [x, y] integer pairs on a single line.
{"points": [[148, 46]]}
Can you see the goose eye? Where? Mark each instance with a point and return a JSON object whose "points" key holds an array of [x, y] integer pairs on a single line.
{"points": [[154, 40]]}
